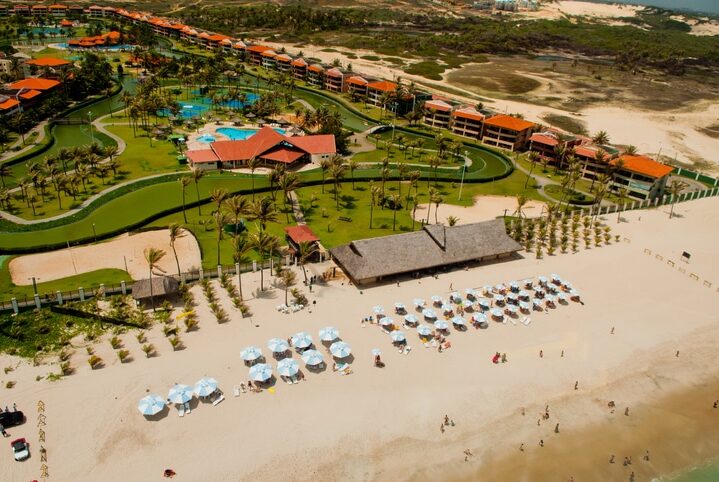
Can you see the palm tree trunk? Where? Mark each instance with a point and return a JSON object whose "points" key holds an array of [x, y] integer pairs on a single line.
{"points": [[152, 295], [239, 280], [177, 260], [199, 207]]}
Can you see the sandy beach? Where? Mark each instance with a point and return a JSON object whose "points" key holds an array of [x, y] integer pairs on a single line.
{"points": [[484, 208], [384, 424], [124, 252]]}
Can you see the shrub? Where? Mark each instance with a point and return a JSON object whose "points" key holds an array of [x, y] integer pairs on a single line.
{"points": [[10, 384], [175, 342], [123, 355], [141, 338], [169, 330], [95, 362], [115, 342], [90, 350], [149, 350], [65, 368], [190, 323]]}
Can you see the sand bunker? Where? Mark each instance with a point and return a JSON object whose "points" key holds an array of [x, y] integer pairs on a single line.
{"points": [[112, 254], [485, 208]]}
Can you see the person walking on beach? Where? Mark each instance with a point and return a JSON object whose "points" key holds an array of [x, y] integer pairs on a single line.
{"points": [[446, 420], [541, 443], [612, 331], [716, 403], [677, 355], [541, 353], [626, 411], [556, 428], [646, 456], [521, 447], [504, 358], [611, 459], [441, 428], [576, 385]]}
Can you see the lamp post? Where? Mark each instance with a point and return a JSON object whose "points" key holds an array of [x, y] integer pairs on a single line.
{"points": [[464, 169], [34, 283], [92, 134], [94, 233]]}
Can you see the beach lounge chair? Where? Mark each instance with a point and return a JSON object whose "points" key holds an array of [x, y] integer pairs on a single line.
{"points": [[188, 410], [526, 320], [219, 399], [181, 410], [237, 390], [407, 349]]}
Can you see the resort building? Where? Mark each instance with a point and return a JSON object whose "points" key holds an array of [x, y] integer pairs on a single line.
{"points": [[255, 53], [57, 10], [507, 132], [552, 146], [27, 92], [335, 80], [594, 159], [433, 247], [467, 122], [268, 59], [316, 76], [296, 235], [283, 63], [357, 86], [299, 68], [437, 113], [109, 38], [376, 91], [268, 145], [641, 176], [9, 106]]}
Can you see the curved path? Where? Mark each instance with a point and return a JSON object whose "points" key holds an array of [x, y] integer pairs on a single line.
{"points": [[40, 129]]}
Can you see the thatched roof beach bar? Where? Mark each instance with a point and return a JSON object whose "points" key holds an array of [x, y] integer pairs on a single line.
{"points": [[434, 246]]}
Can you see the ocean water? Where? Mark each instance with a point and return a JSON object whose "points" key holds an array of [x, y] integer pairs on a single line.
{"points": [[705, 473], [707, 6]]}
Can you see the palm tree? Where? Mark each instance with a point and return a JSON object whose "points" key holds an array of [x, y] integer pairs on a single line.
{"points": [[395, 200], [265, 244], [452, 220], [432, 194], [198, 174], [5, 171], [621, 195], [176, 232], [153, 257], [374, 195], [630, 150], [237, 206], [402, 169], [218, 196], [601, 138], [521, 201], [325, 164], [264, 211], [306, 250], [532, 157], [184, 182], [252, 165], [337, 172], [287, 277], [220, 220], [240, 247], [676, 187], [437, 201], [288, 182], [352, 166]]}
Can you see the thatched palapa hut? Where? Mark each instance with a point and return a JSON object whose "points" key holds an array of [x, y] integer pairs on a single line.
{"points": [[162, 286]]}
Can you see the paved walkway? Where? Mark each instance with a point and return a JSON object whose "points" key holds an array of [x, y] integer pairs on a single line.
{"points": [[9, 153], [297, 208]]}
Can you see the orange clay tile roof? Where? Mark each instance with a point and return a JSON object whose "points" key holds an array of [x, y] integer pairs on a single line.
{"points": [[27, 95], [438, 105], [468, 113], [204, 35], [283, 58], [644, 165], [202, 156], [283, 154], [299, 62], [357, 80], [48, 62], [334, 72], [9, 104], [316, 68], [509, 122], [218, 38], [258, 48], [384, 86], [301, 234], [34, 83], [240, 45], [66, 23], [589, 152], [269, 54], [57, 6], [544, 139]]}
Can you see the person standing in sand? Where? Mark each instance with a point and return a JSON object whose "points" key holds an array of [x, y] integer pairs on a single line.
{"points": [[626, 411], [521, 447], [541, 353]]}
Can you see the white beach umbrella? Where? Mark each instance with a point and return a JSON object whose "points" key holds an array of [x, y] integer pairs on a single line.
{"points": [[250, 353], [447, 308], [424, 330], [497, 313], [312, 357], [205, 386], [378, 310], [411, 319], [429, 314], [459, 321], [179, 394], [419, 302], [441, 325], [340, 349], [151, 405], [288, 367], [470, 292], [386, 321], [301, 339], [437, 300], [479, 318], [278, 345], [397, 336], [329, 333], [399, 307], [261, 372]]}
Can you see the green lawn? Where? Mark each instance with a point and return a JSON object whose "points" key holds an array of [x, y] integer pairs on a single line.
{"points": [[88, 281]]}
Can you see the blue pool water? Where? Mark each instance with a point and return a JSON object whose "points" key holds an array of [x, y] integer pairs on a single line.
{"points": [[46, 30], [232, 104], [187, 111], [236, 134], [207, 138], [107, 48]]}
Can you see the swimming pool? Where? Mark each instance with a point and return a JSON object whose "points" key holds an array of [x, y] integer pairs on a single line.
{"points": [[250, 99], [108, 48], [206, 138], [235, 134], [187, 111]]}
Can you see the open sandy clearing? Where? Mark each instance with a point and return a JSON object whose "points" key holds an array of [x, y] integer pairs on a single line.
{"points": [[484, 208], [111, 254]]}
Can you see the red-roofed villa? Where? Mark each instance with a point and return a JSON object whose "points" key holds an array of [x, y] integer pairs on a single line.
{"points": [[268, 145], [507, 132]]}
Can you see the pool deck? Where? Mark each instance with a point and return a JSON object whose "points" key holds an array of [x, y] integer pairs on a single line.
{"points": [[211, 129]]}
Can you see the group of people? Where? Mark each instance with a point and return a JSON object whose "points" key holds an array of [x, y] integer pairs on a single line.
{"points": [[252, 387], [497, 358], [447, 422]]}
